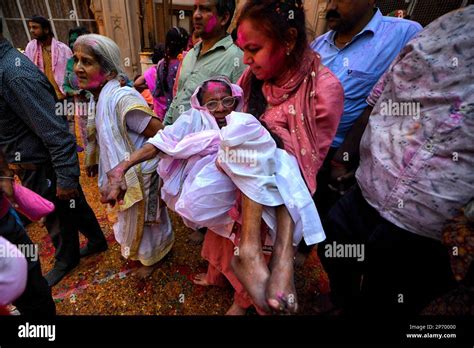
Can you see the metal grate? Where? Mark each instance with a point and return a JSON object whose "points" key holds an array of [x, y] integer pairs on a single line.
{"points": [[388, 6], [427, 11]]}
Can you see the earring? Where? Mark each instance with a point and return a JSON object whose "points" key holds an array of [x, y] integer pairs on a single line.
{"points": [[288, 52]]}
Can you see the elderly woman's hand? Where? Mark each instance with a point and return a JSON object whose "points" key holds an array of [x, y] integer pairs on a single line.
{"points": [[116, 187]]}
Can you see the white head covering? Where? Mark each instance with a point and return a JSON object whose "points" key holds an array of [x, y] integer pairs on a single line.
{"points": [[237, 93]]}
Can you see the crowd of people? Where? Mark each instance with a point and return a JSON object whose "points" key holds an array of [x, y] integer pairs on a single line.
{"points": [[266, 145]]}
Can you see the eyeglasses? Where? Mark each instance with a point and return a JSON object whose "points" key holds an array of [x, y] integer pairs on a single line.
{"points": [[227, 103]]}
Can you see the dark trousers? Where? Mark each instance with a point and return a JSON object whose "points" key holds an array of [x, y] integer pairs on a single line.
{"points": [[67, 220], [401, 272], [36, 301]]}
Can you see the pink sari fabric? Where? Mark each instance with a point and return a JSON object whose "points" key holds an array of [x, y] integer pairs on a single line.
{"points": [[304, 111], [150, 79]]}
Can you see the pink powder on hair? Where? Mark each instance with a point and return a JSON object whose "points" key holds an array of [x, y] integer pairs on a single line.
{"points": [[214, 86]]}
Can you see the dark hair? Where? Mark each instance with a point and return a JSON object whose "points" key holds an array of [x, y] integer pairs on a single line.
{"points": [[205, 86], [158, 53], [226, 6], [176, 42], [275, 18], [1, 25], [77, 30], [233, 34], [43, 21]]}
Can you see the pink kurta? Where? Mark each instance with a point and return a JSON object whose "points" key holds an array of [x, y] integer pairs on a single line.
{"points": [[60, 54]]}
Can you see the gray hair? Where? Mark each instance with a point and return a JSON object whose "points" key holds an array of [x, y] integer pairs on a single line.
{"points": [[106, 51]]}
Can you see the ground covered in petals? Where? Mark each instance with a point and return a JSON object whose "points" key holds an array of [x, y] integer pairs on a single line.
{"points": [[103, 284]]}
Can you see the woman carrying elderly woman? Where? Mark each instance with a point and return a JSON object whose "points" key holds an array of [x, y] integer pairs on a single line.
{"points": [[300, 103], [124, 122]]}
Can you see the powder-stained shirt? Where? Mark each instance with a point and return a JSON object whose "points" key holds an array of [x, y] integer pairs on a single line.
{"points": [[360, 63], [60, 54], [417, 153], [32, 127], [223, 59]]}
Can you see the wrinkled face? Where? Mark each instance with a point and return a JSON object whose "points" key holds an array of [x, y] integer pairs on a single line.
{"points": [[207, 23], [343, 15], [217, 92], [266, 58], [37, 32], [89, 73]]}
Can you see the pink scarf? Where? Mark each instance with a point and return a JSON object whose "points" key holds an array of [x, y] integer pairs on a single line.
{"points": [[304, 110], [60, 54]]}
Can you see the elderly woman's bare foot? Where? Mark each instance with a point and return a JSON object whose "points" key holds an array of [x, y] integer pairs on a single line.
{"points": [[145, 271], [252, 271], [235, 309], [281, 291], [196, 237], [201, 279]]}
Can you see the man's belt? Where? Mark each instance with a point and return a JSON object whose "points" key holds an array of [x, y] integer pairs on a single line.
{"points": [[22, 166]]}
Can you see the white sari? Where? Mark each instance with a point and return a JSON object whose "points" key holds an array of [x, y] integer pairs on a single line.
{"points": [[143, 228]]}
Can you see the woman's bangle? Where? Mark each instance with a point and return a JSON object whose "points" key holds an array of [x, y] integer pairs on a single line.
{"points": [[7, 177], [337, 164]]}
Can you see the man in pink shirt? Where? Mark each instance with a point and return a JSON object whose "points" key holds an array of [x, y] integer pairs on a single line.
{"points": [[47, 53]]}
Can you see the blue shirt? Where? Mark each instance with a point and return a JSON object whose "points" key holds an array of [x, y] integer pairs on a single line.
{"points": [[361, 63]]}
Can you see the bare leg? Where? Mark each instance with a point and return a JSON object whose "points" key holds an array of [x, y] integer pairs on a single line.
{"points": [[248, 262], [281, 292]]}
